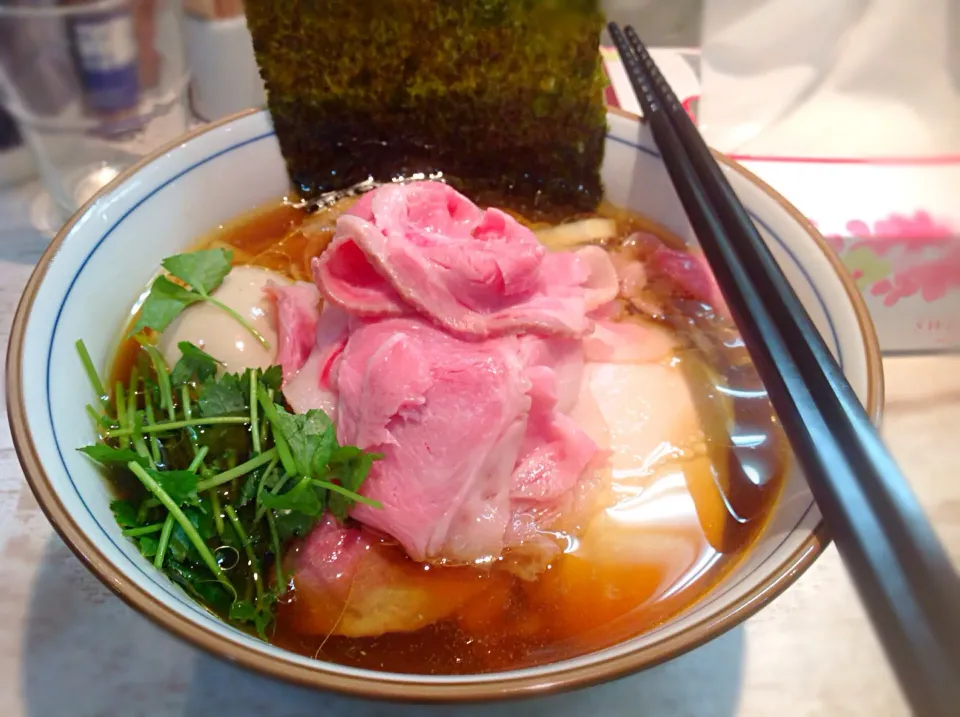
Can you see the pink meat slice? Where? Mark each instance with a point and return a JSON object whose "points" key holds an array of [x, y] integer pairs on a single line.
{"points": [[555, 451], [553, 456], [687, 271], [449, 417], [599, 277], [424, 248], [314, 386], [454, 345], [408, 390], [328, 558], [297, 314]]}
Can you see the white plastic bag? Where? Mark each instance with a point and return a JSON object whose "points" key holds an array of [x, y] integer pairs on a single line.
{"points": [[832, 78], [851, 110]]}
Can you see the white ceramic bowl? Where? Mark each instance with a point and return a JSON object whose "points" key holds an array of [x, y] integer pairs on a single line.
{"points": [[94, 270]]}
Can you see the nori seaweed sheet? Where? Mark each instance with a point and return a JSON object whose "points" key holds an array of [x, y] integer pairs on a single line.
{"points": [[502, 95]]}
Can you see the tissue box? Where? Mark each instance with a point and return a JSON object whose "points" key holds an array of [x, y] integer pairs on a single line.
{"points": [[893, 221]]}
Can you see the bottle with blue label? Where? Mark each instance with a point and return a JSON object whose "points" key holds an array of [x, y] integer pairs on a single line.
{"points": [[104, 44]]}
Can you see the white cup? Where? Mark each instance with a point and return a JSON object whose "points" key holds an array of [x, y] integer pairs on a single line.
{"points": [[225, 78]]}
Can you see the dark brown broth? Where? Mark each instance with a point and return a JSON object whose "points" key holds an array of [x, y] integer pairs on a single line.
{"points": [[579, 604]]}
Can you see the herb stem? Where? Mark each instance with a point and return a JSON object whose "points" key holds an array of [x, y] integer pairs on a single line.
{"points": [[188, 414], [143, 530], [265, 429], [92, 375], [173, 425], [254, 423], [237, 471], [163, 378], [163, 542], [217, 511], [99, 419], [261, 509], [263, 479], [277, 558], [289, 465], [143, 510], [132, 392], [151, 420], [141, 447], [198, 459], [209, 560], [348, 493], [243, 322], [121, 403], [248, 549]]}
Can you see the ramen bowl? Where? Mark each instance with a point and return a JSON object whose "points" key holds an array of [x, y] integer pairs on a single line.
{"points": [[105, 256]]}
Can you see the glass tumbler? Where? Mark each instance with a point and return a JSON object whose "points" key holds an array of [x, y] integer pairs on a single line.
{"points": [[94, 86]]}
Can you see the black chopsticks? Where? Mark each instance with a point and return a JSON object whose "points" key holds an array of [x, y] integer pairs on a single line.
{"points": [[903, 575]]}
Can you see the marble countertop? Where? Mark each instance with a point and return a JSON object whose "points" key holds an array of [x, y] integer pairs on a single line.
{"points": [[69, 648]]}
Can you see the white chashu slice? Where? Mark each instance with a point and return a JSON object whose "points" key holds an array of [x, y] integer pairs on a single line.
{"points": [[222, 336]]}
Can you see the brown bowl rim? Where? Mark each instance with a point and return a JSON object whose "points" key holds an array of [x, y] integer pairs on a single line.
{"points": [[319, 675]]}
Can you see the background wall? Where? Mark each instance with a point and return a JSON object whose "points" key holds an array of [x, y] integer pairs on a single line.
{"points": [[662, 23]]}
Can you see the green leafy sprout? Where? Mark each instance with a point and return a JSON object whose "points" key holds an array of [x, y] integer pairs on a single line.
{"points": [[202, 272], [212, 473]]}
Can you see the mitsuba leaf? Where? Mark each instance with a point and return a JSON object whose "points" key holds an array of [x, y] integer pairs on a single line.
{"points": [[249, 489], [349, 466], [195, 364], [148, 546], [221, 397], [302, 498], [344, 454], [163, 304], [202, 270], [292, 524], [180, 546], [339, 505], [125, 513], [107, 455], [357, 470], [272, 377], [260, 615], [204, 588], [265, 613], [181, 486], [311, 438], [243, 611]]}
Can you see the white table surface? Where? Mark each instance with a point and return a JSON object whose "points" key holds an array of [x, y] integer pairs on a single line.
{"points": [[69, 648]]}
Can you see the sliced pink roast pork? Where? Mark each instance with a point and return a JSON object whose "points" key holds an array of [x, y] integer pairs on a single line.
{"points": [[424, 248], [298, 308], [449, 417], [313, 386], [453, 344], [686, 271]]}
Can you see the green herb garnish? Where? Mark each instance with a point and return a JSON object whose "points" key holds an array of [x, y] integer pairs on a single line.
{"points": [[202, 272], [204, 495], [222, 397], [194, 365]]}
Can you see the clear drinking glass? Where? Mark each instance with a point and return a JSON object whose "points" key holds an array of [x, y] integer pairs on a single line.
{"points": [[94, 86]]}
